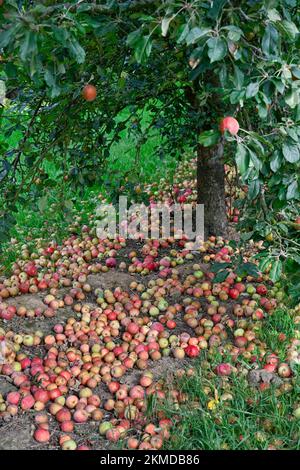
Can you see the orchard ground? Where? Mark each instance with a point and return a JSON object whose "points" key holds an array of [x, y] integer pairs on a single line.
{"points": [[140, 345], [144, 345]]}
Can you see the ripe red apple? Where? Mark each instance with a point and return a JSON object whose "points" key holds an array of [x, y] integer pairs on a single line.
{"points": [[83, 447], [137, 392], [230, 124], [111, 262], [13, 398], [223, 369], [132, 328], [297, 222], [192, 350], [261, 289], [63, 415], [67, 426], [132, 443], [284, 370], [42, 396], [24, 287], [240, 341], [80, 416], [31, 270], [270, 367], [234, 293], [113, 435], [27, 402], [89, 92], [41, 435], [42, 285]]}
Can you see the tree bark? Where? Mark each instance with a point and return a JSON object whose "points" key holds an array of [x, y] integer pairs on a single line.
{"points": [[211, 189]]}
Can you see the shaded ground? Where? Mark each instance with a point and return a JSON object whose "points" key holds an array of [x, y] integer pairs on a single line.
{"points": [[17, 432]]}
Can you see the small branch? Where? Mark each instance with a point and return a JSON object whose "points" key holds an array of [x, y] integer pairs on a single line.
{"points": [[27, 134], [263, 202]]}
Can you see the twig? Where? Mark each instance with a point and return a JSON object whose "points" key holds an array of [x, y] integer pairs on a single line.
{"points": [[27, 134]]}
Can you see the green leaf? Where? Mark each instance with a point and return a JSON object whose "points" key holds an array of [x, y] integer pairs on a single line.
{"points": [[292, 191], [43, 203], [142, 49], [209, 138], [246, 236], [223, 74], [242, 158], [252, 89], [5, 168], [28, 45], [274, 15], [7, 35], [184, 31], [257, 163], [247, 269], [51, 82], [84, 7], [165, 25], [234, 33], [292, 99], [296, 259], [258, 137], [2, 91], [294, 291], [76, 50], [296, 72], [264, 263], [216, 267], [221, 276], [290, 28], [254, 188], [238, 79], [293, 134], [68, 205], [61, 35], [291, 152], [237, 96], [133, 38], [215, 8], [276, 270], [217, 49], [280, 86], [270, 40], [195, 34], [275, 162]]}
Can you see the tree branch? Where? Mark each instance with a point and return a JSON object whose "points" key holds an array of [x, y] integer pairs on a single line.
{"points": [[27, 134]]}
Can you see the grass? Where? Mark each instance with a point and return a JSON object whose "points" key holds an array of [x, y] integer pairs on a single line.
{"points": [[218, 413], [280, 322], [49, 217], [221, 414]]}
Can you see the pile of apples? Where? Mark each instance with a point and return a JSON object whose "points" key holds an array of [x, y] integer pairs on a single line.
{"points": [[183, 189], [81, 371], [122, 330]]}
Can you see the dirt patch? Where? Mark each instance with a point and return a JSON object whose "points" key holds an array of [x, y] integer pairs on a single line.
{"points": [[258, 376], [30, 301], [110, 280], [163, 368], [17, 434], [6, 386], [30, 326]]}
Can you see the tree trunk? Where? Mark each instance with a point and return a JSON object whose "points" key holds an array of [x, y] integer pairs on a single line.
{"points": [[211, 189]]}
